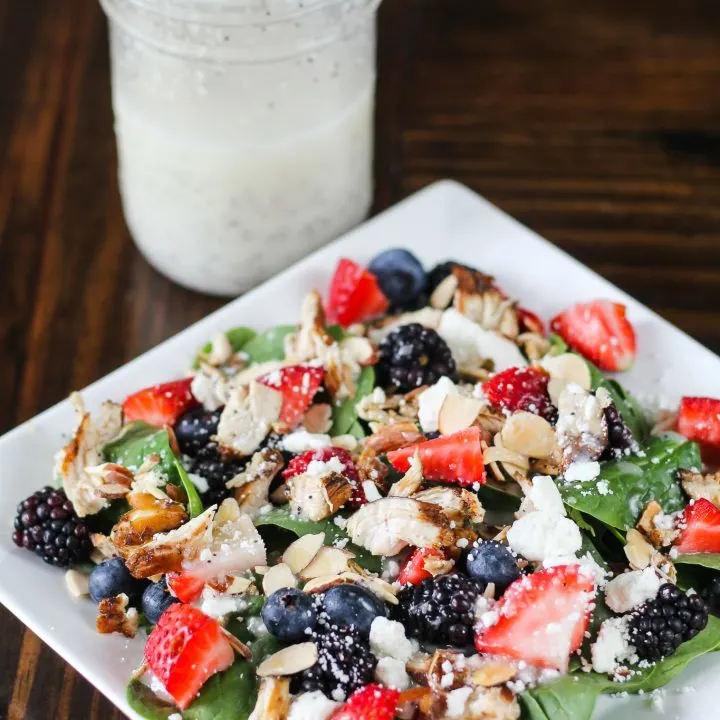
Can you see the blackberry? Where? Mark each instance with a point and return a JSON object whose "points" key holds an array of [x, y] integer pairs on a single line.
{"points": [[440, 610], [47, 524], [216, 468], [195, 428], [412, 356], [711, 596], [344, 665], [620, 437], [658, 627]]}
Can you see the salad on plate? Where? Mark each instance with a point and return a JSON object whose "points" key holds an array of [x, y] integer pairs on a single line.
{"points": [[418, 502]]}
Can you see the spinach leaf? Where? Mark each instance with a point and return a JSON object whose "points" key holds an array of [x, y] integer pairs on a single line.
{"points": [[269, 345], [136, 442], [357, 430], [337, 333], [281, 517], [237, 336], [633, 481], [557, 345], [706, 560], [345, 414]]}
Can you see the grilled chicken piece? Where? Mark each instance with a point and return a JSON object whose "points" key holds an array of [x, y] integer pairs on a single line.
{"points": [[316, 497], [411, 482], [457, 503], [252, 485], [581, 428], [85, 450], [390, 524]]}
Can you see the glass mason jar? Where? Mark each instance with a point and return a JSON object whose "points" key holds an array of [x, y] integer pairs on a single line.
{"points": [[244, 131]]}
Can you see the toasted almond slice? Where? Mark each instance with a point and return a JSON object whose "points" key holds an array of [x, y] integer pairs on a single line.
{"points": [[638, 550], [443, 294], [77, 583], [529, 434], [239, 647], [289, 660], [273, 701], [457, 413], [383, 590], [299, 554], [277, 577], [494, 673], [569, 367], [261, 569], [238, 585], [328, 561]]}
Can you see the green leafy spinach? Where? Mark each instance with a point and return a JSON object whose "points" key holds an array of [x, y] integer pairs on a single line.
{"points": [[706, 560], [344, 416], [269, 345], [238, 338], [632, 482]]}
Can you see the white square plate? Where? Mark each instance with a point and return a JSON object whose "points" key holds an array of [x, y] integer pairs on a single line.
{"points": [[443, 221]]}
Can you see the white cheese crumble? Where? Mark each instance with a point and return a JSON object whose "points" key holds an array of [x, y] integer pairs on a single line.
{"points": [[539, 536], [631, 589], [371, 492], [430, 401], [219, 606], [612, 645], [199, 482], [312, 706], [387, 639], [456, 701], [545, 496], [322, 467], [582, 471], [302, 441], [391, 672]]}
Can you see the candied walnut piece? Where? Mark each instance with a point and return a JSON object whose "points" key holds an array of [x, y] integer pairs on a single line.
{"points": [[115, 617], [701, 485], [656, 526], [147, 517]]}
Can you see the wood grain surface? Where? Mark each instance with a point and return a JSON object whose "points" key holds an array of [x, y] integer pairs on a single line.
{"points": [[596, 123]]}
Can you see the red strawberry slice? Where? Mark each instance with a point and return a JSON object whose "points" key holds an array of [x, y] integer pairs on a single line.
{"points": [[413, 570], [700, 528], [455, 458], [298, 385], [600, 331], [699, 420], [355, 295], [372, 702], [184, 649], [160, 405], [299, 464], [541, 617], [521, 388], [185, 587]]}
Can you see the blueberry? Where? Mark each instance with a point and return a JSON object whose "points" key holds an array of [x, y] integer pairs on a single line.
{"points": [[353, 605], [492, 562], [289, 614], [111, 578], [156, 600], [195, 428], [401, 276]]}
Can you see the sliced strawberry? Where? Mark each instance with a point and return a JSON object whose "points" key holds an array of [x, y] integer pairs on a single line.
{"points": [[521, 388], [372, 702], [355, 295], [541, 617], [455, 458], [298, 385], [185, 587], [700, 528], [184, 649], [699, 420], [299, 464], [600, 331], [160, 405], [530, 322], [412, 571]]}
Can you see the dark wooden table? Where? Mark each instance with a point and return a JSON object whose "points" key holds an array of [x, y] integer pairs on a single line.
{"points": [[596, 123]]}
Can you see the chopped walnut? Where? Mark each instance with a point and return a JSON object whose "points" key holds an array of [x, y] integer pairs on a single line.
{"points": [[656, 526], [115, 617], [103, 548], [699, 485], [147, 517], [379, 409], [371, 469], [641, 554], [252, 485]]}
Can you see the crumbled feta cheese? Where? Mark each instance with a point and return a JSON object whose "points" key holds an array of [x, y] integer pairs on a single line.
{"points": [[219, 606], [256, 626], [631, 589], [603, 487], [387, 639], [587, 564], [582, 471], [322, 467], [312, 706], [539, 535], [301, 441], [371, 492], [175, 716], [199, 482], [468, 342], [612, 645], [391, 672], [430, 401], [456, 701], [378, 396], [545, 496], [209, 390]]}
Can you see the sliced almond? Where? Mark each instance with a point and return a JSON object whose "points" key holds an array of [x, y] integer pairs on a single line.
{"points": [[530, 435], [278, 577], [273, 701], [328, 561], [443, 294], [569, 367], [289, 660], [77, 583], [346, 442], [299, 554], [457, 413], [383, 590], [238, 586], [495, 673], [638, 550], [555, 387]]}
